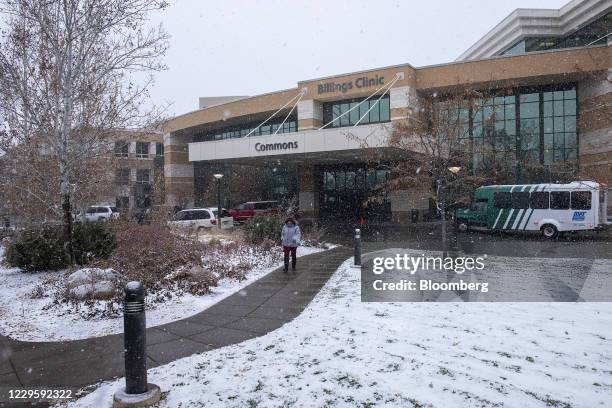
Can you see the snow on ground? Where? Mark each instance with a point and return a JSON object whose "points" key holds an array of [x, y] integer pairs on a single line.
{"points": [[37, 319], [342, 352]]}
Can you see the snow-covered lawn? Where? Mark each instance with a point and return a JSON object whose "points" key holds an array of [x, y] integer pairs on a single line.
{"points": [[342, 352], [28, 318]]}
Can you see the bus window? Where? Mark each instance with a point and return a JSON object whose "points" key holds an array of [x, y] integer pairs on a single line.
{"points": [[502, 200], [479, 205], [581, 200], [539, 200], [520, 200], [559, 200]]}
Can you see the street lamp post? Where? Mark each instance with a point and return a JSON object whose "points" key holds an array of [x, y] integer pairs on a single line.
{"points": [[218, 176]]}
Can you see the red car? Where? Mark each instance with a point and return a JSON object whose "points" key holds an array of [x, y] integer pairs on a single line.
{"points": [[252, 208]]}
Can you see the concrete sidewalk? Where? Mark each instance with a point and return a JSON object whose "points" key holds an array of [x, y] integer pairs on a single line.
{"points": [[261, 307]]}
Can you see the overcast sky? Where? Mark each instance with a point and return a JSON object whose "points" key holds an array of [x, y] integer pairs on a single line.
{"points": [[242, 47]]}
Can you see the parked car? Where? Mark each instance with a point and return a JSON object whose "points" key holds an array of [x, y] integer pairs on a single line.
{"points": [[200, 218], [252, 208], [100, 213]]}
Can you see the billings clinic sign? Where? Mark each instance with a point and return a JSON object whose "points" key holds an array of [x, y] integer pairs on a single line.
{"points": [[362, 82]]}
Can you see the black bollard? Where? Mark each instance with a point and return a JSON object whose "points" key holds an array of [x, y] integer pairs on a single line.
{"points": [[357, 247], [135, 339]]}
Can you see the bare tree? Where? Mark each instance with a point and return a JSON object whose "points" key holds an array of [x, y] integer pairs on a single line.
{"points": [[71, 73], [441, 153]]}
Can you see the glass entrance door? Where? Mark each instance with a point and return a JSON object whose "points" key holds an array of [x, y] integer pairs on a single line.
{"points": [[345, 190]]}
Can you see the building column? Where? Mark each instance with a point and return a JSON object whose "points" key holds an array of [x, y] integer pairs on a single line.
{"points": [[310, 115], [595, 129], [308, 192], [402, 101], [178, 172]]}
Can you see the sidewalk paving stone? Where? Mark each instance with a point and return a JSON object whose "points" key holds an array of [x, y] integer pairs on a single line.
{"points": [[223, 336], [166, 352], [256, 324]]}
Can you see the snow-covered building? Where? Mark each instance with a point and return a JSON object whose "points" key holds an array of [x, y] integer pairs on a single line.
{"points": [[548, 74]]}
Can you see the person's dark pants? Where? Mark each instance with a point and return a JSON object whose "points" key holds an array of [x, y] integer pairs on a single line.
{"points": [[289, 250]]}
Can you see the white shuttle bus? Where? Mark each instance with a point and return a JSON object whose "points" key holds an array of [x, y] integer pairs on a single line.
{"points": [[548, 208]]}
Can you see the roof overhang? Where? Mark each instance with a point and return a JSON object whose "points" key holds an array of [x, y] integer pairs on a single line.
{"points": [[522, 23]]}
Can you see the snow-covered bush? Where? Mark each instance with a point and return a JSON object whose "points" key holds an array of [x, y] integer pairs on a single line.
{"points": [[42, 247], [263, 227], [312, 235], [92, 240], [38, 248], [147, 253]]}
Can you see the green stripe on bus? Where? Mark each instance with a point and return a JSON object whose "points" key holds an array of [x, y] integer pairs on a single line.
{"points": [[499, 214], [521, 214], [513, 214], [531, 211], [518, 224]]}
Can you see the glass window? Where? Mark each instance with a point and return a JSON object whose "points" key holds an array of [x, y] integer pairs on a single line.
{"points": [[371, 178], [379, 113], [159, 149], [142, 176], [516, 49], [344, 120], [340, 180], [142, 149], [529, 97], [330, 181], [539, 200], [530, 110], [548, 109], [520, 200], [502, 200], [559, 200], [200, 215], [581, 200], [591, 34], [375, 112], [354, 115], [121, 148], [251, 128], [350, 180], [122, 176], [385, 109], [180, 216]]}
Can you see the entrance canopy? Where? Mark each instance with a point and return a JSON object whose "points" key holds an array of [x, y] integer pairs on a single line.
{"points": [[337, 145]]}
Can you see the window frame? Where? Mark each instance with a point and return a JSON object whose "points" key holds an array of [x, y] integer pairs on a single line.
{"points": [[513, 200], [120, 146], [141, 155], [534, 194], [559, 193], [590, 200], [120, 180], [140, 172], [333, 109], [497, 196]]}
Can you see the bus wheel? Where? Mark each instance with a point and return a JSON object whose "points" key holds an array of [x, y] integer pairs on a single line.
{"points": [[463, 226], [549, 231]]}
